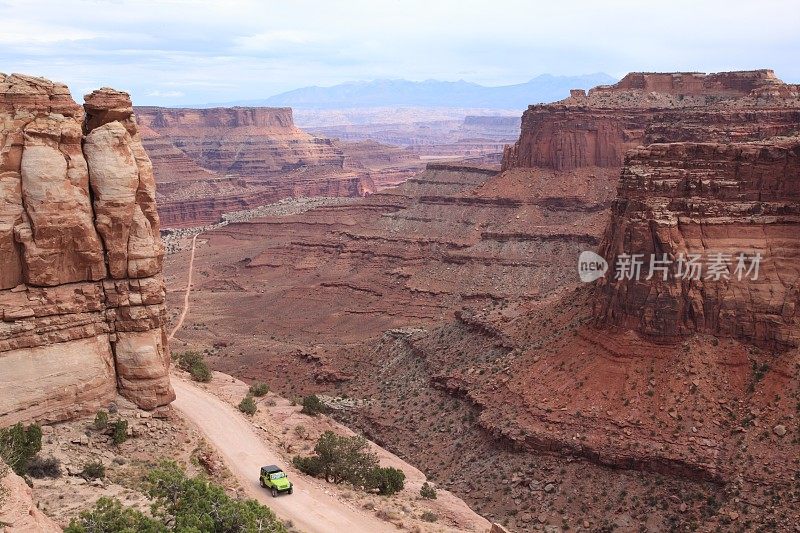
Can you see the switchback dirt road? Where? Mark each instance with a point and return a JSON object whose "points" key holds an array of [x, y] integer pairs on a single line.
{"points": [[310, 508]]}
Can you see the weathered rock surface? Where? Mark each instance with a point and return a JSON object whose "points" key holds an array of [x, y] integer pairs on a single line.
{"points": [[705, 199], [18, 512], [212, 161], [81, 292], [596, 129]]}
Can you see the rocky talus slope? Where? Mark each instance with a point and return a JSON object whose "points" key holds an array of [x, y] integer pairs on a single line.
{"points": [[81, 292]]}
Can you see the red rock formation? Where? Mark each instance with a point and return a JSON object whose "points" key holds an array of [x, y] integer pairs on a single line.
{"points": [[18, 511], [597, 129], [705, 199], [81, 293], [243, 141], [212, 161]]}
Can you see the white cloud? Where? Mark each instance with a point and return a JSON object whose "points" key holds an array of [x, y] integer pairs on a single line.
{"points": [[165, 94], [242, 49]]}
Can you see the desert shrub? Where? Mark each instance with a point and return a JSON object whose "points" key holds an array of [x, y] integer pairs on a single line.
{"points": [[100, 420], [248, 405], [429, 516], [313, 406], [42, 467], [308, 465], [110, 516], [179, 504], [387, 480], [194, 363], [3, 491], [94, 470], [259, 389], [119, 431], [427, 491], [339, 459], [194, 504], [19, 444], [301, 432]]}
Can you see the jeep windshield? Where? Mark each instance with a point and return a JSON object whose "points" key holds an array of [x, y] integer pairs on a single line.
{"points": [[277, 475]]}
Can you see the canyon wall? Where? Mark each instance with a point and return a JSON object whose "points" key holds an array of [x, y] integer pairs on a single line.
{"points": [[740, 200], [81, 293], [246, 141], [596, 129], [213, 161]]}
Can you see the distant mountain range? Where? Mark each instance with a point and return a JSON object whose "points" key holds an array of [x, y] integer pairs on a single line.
{"points": [[431, 93]]}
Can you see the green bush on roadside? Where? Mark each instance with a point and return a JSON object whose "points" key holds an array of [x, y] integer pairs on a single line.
{"points": [[178, 504], [194, 363], [248, 405]]}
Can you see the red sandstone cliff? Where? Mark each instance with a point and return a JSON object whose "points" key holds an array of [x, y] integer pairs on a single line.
{"points": [[81, 292], [212, 161], [686, 199], [596, 129]]}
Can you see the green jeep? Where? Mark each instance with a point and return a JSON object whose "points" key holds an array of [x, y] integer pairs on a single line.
{"points": [[275, 479]]}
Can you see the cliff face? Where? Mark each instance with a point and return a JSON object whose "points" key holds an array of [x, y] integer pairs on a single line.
{"points": [[81, 292], [704, 199], [596, 129], [253, 141], [213, 161]]}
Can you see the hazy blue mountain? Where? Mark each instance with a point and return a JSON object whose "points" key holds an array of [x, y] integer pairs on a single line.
{"points": [[432, 93]]}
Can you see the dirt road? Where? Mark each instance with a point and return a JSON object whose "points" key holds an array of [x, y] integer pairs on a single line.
{"points": [[310, 508], [185, 310]]}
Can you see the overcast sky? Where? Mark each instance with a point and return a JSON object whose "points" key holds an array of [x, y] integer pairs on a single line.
{"points": [[181, 52]]}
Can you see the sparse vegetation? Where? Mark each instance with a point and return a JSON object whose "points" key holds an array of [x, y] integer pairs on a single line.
{"points": [[429, 516], [119, 432], [94, 470], [44, 467], [427, 491], [110, 516], [3, 492], [248, 405], [179, 504], [386, 480], [341, 459], [313, 406], [100, 420], [259, 389], [19, 444], [194, 363]]}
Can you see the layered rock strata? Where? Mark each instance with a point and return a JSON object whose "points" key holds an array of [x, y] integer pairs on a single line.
{"points": [[733, 208], [213, 161], [81, 292], [596, 129]]}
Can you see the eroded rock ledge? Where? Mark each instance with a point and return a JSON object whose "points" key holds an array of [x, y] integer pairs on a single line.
{"points": [[81, 293]]}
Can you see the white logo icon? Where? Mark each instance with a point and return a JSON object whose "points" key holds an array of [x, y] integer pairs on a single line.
{"points": [[591, 266]]}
